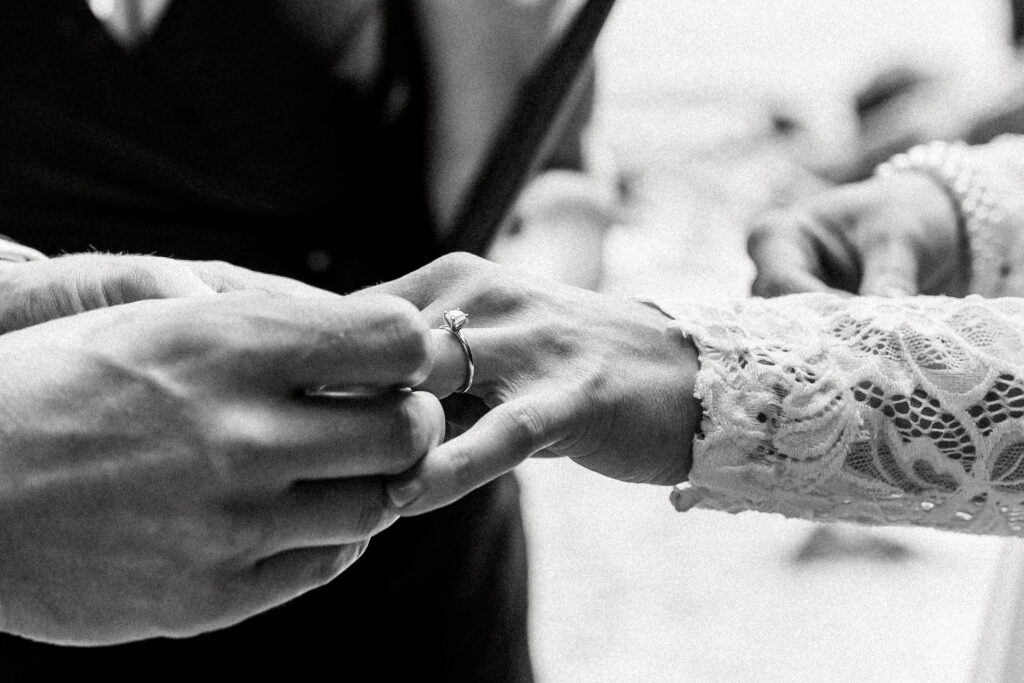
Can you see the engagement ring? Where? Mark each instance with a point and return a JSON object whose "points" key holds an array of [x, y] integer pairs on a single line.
{"points": [[454, 321]]}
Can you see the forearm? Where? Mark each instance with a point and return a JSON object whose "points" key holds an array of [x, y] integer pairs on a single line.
{"points": [[871, 410]]}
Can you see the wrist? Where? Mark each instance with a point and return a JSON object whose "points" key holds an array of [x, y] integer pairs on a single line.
{"points": [[689, 406], [928, 215], [929, 199], [978, 214]]}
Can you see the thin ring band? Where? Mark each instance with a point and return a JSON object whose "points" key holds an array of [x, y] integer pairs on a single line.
{"points": [[454, 321]]}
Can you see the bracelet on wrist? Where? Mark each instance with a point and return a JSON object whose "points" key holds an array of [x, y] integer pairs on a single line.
{"points": [[979, 212]]}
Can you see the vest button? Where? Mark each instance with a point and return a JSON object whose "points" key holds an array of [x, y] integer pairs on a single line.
{"points": [[319, 261]]}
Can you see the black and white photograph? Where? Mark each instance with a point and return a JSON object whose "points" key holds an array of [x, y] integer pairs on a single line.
{"points": [[513, 341]]}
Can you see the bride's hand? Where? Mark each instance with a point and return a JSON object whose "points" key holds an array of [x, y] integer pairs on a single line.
{"points": [[607, 382], [884, 236]]}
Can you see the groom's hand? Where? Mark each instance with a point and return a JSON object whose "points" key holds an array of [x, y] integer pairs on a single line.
{"points": [[37, 291], [605, 381], [163, 471]]}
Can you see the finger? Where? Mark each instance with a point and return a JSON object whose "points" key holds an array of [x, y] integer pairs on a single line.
{"points": [[423, 287], [327, 438], [810, 248], [450, 368], [73, 284], [785, 255], [107, 280], [287, 575], [497, 353], [296, 343], [502, 439], [890, 267], [326, 513], [225, 277]]}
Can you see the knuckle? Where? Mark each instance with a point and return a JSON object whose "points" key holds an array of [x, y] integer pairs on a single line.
{"points": [[216, 266], [558, 341], [141, 280], [460, 263], [526, 427], [136, 278], [40, 302], [405, 335], [238, 440], [462, 469], [480, 284], [414, 356], [216, 274], [505, 295]]}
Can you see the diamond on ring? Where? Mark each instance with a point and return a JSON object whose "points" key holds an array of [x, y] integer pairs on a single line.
{"points": [[454, 321]]}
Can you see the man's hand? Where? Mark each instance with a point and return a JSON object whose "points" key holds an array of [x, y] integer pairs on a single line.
{"points": [[883, 237], [606, 382], [164, 472], [37, 291]]}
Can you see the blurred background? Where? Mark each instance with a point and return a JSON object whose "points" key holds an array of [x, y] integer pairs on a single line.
{"points": [[711, 111]]}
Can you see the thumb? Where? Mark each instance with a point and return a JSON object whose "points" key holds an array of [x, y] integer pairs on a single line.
{"points": [[500, 440], [890, 267]]}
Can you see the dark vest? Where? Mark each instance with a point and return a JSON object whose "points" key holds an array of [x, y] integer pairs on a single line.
{"points": [[222, 138]]}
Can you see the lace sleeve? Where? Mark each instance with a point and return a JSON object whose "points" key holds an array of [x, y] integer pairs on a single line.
{"points": [[871, 410]]}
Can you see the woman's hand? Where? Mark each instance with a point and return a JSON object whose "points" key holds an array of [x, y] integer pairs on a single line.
{"points": [[605, 381], [35, 292], [896, 235]]}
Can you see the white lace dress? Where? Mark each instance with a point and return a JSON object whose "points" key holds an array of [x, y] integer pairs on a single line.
{"points": [[882, 411]]}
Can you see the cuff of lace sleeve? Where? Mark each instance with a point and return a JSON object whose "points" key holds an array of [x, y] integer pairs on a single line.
{"points": [[738, 414], [773, 417]]}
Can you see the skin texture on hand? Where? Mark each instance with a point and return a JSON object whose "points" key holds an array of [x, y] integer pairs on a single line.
{"points": [[37, 291], [563, 372], [888, 236], [164, 472]]}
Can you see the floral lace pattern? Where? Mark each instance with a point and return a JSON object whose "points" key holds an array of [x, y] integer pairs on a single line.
{"points": [[873, 410]]}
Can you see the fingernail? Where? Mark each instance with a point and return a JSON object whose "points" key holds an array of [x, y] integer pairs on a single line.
{"points": [[402, 493]]}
